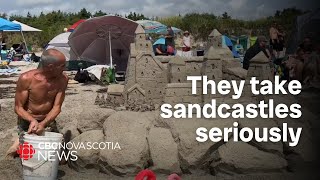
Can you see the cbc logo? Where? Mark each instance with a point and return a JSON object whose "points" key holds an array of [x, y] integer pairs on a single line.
{"points": [[26, 151]]}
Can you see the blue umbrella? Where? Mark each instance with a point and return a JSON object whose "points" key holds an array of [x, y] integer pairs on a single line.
{"points": [[164, 31], [155, 27], [160, 41]]}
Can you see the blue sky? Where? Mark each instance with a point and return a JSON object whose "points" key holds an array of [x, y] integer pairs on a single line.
{"points": [[243, 9]]}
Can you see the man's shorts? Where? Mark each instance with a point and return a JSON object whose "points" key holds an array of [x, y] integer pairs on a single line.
{"points": [[23, 126]]}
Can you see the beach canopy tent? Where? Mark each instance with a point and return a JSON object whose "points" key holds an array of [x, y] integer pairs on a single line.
{"points": [[227, 43], [24, 27], [60, 42], [104, 40], [305, 26], [6, 25], [16, 26], [243, 40]]}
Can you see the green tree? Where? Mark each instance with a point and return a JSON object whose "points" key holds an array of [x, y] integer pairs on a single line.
{"points": [[200, 25], [99, 13], [135, 17], [225, 16], [84, 14], [3, 15], [29, 15]]}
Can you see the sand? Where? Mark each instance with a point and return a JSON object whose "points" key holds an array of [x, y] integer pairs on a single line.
{"points": [[76, 96]]}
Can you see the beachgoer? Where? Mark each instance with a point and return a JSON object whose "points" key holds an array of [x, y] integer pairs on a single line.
{"points": [[160, 50], [311, 71], [274, 38], [39, 96], [170, 37], [281, 37], [170, 51], [259, 46], [306, 45], [295, 65], [186, 46]]}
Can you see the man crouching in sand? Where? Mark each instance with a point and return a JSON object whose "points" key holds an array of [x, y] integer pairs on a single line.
{"points": [[39, 96]]}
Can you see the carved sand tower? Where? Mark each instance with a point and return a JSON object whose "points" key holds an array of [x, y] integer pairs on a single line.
{"points": [[212, 68], [260, 68], [177, 71], [146, 77], [212, 65], [215, 38]]}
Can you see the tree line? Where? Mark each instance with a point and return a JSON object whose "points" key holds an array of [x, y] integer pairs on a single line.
{"points": [[199, 24]]}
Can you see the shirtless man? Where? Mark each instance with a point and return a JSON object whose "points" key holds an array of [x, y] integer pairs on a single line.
{"points": [[39, 95]]}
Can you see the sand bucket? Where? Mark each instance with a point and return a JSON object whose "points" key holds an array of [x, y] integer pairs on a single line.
{"points": [[42, 160]]}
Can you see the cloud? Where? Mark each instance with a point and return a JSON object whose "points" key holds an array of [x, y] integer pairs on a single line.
{"points": [[29, 3], [260, 10], [244, 9], [237, 4]]}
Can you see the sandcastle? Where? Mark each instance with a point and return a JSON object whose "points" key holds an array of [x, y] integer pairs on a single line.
{"points": [[169, 145], [153, 80], [157, 79]]}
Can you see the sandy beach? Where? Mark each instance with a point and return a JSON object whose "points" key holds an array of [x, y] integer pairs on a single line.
{"points": [[77, 95]]}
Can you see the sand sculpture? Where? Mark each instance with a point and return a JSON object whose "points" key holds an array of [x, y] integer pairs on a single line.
{"points": [[156, 79]]}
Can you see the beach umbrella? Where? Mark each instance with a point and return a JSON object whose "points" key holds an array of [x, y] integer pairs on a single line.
{"points": [[104, 40], [152, 26], [161, 41], [164, 31], [155, 27]]}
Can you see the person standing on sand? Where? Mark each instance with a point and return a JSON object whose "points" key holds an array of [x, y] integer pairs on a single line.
{"points": [[186, 42], [170, 37], [39, 96], [274, 39]]}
